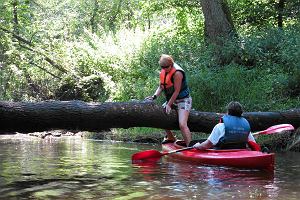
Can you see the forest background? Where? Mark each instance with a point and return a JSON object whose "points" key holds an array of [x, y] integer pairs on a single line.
{"points": [[108, 50]]}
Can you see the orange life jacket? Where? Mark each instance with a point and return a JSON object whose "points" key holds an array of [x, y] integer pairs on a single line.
{"points": [[166, 78], [166, 82]]}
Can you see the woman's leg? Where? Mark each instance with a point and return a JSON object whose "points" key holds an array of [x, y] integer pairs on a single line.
{"points": [[183, 116]]}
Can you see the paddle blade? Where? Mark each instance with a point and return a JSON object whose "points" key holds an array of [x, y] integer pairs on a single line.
{"points": [[276, 129], [146, 155]]}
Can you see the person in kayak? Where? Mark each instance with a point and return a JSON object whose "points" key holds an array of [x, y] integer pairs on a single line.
{"points": [[233, 132], [174, 85]]}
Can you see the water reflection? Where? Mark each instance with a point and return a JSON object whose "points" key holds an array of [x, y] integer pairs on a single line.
{"points": [[60, 168], [193, 181], [85, 169]]}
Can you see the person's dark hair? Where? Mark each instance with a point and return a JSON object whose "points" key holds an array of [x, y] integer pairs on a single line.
{"points": [[235, 108]]}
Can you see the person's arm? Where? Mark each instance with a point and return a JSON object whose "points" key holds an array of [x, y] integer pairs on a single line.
{"points": [[252, 143], [251, 138], [213, 138], [156, 94], [204, 145], [178, 76]]}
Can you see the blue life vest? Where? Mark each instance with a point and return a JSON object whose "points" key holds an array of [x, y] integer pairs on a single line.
{"points": [[237, 130]]}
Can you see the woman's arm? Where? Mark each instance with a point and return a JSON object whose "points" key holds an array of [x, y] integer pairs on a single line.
{"points": [[156, 94], [178, 76]]}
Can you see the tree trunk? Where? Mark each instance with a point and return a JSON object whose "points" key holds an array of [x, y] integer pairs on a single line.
{"points": [[15, 4], [77, 115], [219, 29], [280, 9], [218, 22]]}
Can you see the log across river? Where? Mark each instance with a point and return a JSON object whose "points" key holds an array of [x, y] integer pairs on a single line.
{"points": [[77, 115]]}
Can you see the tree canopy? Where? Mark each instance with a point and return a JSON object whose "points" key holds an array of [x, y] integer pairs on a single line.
{"points": [[99, 50]]}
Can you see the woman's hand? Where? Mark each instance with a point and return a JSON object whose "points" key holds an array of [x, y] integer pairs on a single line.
{"points": [[151, 98], [168, 109]]}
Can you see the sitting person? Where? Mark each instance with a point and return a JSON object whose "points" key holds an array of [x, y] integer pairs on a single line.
{"points": [[233, 132]]}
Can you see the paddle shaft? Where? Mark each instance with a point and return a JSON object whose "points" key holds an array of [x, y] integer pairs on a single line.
{"points": [[176, 151]]}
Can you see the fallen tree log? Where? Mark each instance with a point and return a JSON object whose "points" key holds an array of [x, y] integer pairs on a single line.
{"points": [[28, 117]]}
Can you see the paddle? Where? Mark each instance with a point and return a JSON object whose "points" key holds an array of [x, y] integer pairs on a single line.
{"points": [[155, 155], [275, 129]]}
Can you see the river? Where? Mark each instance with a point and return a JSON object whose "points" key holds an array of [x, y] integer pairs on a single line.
{"points": [[75, 168]]}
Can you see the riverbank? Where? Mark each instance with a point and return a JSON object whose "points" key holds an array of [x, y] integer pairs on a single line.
{"points": [[279, 142]]}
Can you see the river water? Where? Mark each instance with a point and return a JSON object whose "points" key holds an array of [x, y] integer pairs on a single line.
{"points": [[74, 168]]}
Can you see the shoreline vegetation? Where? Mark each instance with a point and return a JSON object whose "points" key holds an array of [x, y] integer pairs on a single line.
{"points": [[79, 50], [280, 142]]}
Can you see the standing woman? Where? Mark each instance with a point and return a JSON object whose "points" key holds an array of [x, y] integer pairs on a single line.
{"points": [[174, 84]]}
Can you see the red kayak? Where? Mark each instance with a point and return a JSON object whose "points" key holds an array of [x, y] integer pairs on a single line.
{"points": [[240, 158]]}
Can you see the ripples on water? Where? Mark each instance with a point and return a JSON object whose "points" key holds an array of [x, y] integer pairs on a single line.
{"points": [[73, 168]]}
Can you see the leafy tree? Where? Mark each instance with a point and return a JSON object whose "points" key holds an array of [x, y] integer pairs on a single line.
{"points": [[261, 13]]}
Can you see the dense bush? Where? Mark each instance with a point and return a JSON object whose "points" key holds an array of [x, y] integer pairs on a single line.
{"points": [[264, 77], [77, 51]]}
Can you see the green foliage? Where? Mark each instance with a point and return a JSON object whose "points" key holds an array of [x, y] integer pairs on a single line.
{"points": [[89, 88], [253, 14], [260, 79], [108, 51]]}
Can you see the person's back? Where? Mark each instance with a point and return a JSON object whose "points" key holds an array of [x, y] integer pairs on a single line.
{"points": [[236, 134], [232, 133]]}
